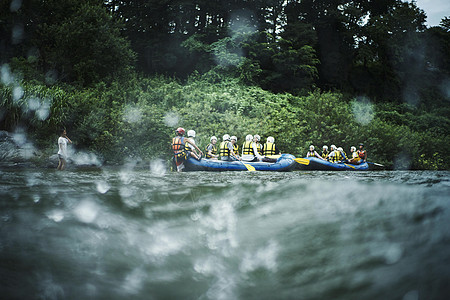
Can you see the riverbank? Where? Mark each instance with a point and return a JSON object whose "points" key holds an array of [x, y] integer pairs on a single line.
{"points": [[136, 120]]}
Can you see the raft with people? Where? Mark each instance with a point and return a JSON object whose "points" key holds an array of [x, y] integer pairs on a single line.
{"points": [[317, 164], [335, 160], [256, 156], [284, 163]]}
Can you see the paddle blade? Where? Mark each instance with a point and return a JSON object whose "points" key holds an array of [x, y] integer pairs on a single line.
{"points": [[302, 161], [250, 167]]}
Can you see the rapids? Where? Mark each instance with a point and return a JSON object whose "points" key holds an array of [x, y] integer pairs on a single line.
{"points": [[147, 234]]}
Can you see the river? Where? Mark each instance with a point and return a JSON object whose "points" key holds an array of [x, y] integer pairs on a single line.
{"points": [[150, 234]]}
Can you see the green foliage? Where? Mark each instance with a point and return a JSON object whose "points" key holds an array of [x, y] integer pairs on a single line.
{"points": [[137, 120], [72, 41]]}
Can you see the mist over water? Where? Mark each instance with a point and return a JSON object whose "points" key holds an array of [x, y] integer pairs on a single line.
{"points": [[117, 233]]}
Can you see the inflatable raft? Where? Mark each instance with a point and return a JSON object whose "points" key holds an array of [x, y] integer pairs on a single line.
{"points": [[284, 163], [314, 163]]}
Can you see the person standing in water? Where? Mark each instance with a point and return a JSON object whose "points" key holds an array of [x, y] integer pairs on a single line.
{"points": [[62, 149]]}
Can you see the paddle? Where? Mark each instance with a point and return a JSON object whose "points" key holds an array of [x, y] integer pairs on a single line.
{"points": [[375, 164], [302, 161], [249, 167]]}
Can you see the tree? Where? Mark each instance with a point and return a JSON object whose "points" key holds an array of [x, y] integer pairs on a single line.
{"points": [[389, 57], [73, 41]]}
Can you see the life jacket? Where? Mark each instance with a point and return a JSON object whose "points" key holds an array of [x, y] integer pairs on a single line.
{"points": [[236, 149], [259, 148], [354, 154], [269, 149], [337, 156], [362, 153], [213, 150], [247, 148], [311, 154], [223, 149], [325, 154], [179, 147]]}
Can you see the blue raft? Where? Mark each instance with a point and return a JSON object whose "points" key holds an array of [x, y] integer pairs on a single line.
{"points": [[323, 165], [284, 163]]}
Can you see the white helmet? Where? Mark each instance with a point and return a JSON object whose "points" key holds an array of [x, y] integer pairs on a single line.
{"points": [[352, 148], [234, 138], [226, 137], [340, 149], [333, 147], [257, 137], [249, 138], [311, 147], [191, 133], [212, 138], [270, 139], [325, 147]]}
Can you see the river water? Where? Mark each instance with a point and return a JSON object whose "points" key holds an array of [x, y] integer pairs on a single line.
{"points": [[150, 234]]}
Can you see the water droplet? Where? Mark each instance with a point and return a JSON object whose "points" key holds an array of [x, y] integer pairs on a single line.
{"points": [[393, 254], [33, 103], [103, 187], [6, 75], [36, 198], [171, 119], [44, 111], [15, 5], [85, 158], [17, 34], [132, 114], [19, 138], [17, 93], [158, 168], [86, 211], [363, 110], [51, 77], [56, 215]]}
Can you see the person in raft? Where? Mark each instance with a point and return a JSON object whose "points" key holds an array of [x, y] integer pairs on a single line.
{"points": [[226, 149], [62, 149], [180, 147], [335, 155], [343, 155], [354, 156], [313, 153], [249, 150], [235, 146], [362, 153], [269, 149], [257, 145], [325, 152], [191, 136], [211, 149]]}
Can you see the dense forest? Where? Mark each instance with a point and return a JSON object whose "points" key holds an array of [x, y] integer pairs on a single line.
{"points": [[120, 76]]}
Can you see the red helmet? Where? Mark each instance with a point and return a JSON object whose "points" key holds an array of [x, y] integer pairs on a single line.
{"points": [[180, 130]]}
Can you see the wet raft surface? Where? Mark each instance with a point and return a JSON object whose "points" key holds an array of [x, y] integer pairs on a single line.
{"points": [[112, 234]]}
